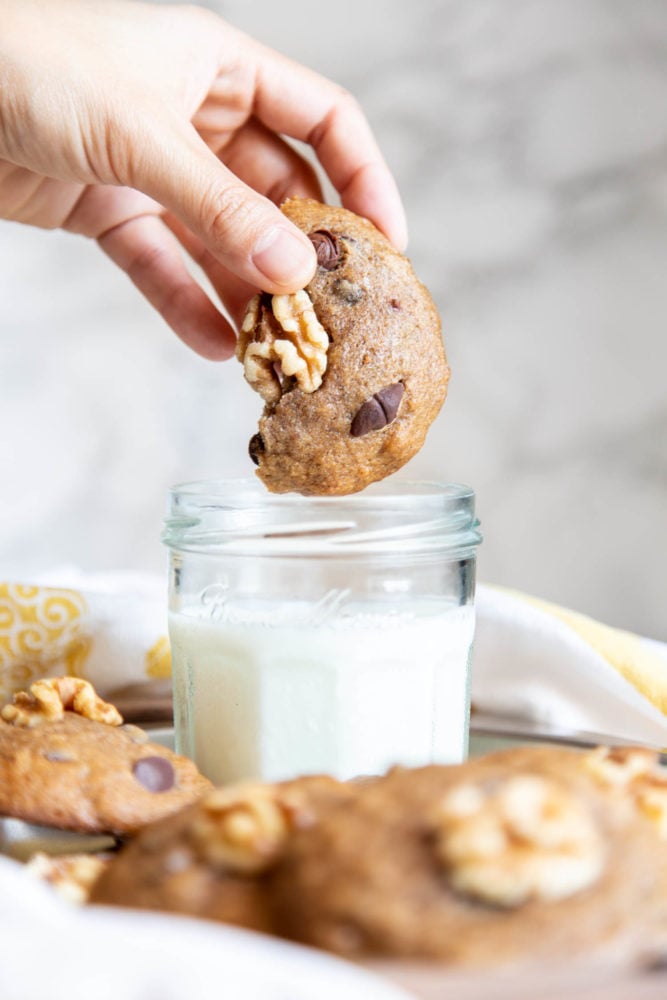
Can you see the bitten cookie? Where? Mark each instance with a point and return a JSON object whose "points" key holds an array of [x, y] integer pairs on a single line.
{"points": [[525, 855], [214, 859], [66, 760], [352, 368]]}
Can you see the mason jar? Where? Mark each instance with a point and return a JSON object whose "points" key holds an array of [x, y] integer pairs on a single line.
{"points": [[320, 635]]}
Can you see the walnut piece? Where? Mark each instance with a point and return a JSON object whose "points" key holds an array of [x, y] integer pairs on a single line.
{"points": [[301, 352], [618, 767], [243, 828], [527, 839], [651, 798], [635, 772], [71, 875], [50, 698]]}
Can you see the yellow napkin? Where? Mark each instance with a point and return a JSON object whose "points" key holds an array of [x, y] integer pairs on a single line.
{"points": [[547, 664], [109, 628]]}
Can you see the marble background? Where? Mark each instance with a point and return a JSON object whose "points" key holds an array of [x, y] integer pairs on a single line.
{"points": [[529, 139]]}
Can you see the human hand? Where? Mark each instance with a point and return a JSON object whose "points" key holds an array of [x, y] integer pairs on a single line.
{"points": [[153, 128]]}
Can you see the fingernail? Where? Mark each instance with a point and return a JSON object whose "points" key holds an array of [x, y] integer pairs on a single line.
{"points": [[284, 258]]}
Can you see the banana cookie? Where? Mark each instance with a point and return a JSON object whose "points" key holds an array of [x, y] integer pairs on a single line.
{"points": [[352, 369], [528, 854], [214, 859], [67, 760]]}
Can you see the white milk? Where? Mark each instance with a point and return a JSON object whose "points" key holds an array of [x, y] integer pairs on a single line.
{"points": [[257, 697]]}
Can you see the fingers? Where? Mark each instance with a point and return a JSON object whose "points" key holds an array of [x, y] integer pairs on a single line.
{"points": [[265, 162], [233, 292], [150, 255], [297, 102], [242, 229]]}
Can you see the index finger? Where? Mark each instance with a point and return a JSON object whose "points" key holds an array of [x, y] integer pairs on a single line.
{"points": [[300, 103]]}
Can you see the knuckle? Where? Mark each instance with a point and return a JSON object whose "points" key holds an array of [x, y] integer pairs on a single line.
{"points": [[145, 263], [231, 215], [347, 102], [344, 106]]}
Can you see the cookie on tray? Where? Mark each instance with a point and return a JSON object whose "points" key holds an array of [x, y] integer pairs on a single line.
{"points": [[352, 369], [67, 760], [214, 859], [530, 854]]}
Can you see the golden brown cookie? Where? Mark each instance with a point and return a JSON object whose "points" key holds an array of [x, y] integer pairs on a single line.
{"points": [[352, 368], [214, 859], [524, 855], [67, 761]]}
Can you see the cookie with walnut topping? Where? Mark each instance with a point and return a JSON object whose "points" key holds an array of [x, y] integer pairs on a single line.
{"points": [[352, 369], [529, 854], [67, 760], [215, 858]]}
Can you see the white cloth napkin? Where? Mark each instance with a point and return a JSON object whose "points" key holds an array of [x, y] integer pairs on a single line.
{"points": [[532, 661], [540, 663], [53, 949]]}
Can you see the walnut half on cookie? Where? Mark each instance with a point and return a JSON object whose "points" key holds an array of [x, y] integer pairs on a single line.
{"points": [[352, 369]]}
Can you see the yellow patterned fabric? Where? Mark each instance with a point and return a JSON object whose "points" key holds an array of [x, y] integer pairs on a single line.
{"points": [[41, 633], [108, 635]]}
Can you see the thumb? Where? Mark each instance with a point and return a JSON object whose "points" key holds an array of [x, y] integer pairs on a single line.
{"points": [[241, 228]]}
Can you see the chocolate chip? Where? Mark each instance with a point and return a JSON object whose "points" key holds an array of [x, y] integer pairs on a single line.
{"points": [[369, 417], [327, 248], [155, 773], [390, 398], [378, 411], [256, 447], [395, 304]]}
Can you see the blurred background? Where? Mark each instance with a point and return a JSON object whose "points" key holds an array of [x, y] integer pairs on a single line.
{"points": [[529, 140]]}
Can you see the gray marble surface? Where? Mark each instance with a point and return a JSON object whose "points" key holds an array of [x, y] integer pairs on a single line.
{"points": [[529, 139]]}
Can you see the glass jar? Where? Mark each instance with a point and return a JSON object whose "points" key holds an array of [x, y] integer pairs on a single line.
{"points": [[320, 635]]}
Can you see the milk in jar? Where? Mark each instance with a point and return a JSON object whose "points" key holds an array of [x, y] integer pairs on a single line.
{"points": [[321, 635]]}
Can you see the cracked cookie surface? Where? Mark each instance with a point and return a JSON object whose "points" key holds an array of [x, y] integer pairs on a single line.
{"points": [[342, 415]]}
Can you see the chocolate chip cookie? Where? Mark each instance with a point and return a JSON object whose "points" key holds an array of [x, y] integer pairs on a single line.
{"points": [[66, 760], [528, 854], [352, 369], [214, 859]]}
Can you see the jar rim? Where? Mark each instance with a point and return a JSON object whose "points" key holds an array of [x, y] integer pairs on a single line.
{"points": [[240, 517], [386, 491]]}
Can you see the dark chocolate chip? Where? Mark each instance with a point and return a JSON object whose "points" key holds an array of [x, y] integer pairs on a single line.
{"points": [[378, 411], [327, 248], [390, 398], [369, 417], [395, 304], [256, 447], [155, 773]]}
